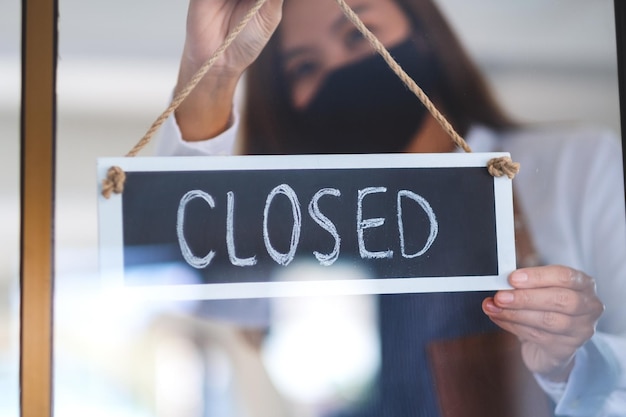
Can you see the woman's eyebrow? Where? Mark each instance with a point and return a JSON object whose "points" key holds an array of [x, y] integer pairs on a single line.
{"points": [[294, 53], [342, 19]]}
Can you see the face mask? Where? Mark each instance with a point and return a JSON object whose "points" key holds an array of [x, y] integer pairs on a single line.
{"points": [[365, 108]]}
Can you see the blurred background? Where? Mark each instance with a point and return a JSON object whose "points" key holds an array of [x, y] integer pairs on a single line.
{"points": [[10, 18], [548, 60]]}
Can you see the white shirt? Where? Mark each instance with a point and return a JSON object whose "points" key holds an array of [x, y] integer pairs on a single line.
{"points": [[570, 187], [571, 190]]}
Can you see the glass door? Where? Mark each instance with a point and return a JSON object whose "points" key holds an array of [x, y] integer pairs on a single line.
{"points": [[308, 356]]}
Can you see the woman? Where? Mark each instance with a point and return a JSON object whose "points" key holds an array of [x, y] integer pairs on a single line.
{"points": [[303, 85]]}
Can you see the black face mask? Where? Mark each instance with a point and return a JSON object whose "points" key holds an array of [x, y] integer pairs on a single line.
{"points": [[365, 108]]}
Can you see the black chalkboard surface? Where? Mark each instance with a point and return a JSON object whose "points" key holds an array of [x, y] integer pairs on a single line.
{"points": [[235, 227]]}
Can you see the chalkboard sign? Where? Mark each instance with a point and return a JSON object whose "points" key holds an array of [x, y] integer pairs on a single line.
{"points": [[240, 226]]}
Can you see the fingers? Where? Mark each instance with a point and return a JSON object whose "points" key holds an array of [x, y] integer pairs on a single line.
{"points": [[553, 310], [559, 345], [553, 299], [551, 276], [551, 288], [540, 326], [547, 347]]}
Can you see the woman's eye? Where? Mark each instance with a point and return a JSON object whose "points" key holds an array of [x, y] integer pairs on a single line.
{"points": [[353, 38], [301, 71]]}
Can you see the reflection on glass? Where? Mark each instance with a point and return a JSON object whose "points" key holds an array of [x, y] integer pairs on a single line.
{"points": [[308, 356], [9, 206], [111, 83]]}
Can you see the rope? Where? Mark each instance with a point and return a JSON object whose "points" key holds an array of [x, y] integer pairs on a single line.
{"points": [[504, 165], [114, 182]]}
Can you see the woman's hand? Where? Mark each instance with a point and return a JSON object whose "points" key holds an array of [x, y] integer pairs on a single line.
{"points": [[553, 310], [207, 110], [210, 21]]}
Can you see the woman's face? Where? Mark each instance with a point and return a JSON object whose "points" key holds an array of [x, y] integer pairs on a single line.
{"points": [[317, 38]]}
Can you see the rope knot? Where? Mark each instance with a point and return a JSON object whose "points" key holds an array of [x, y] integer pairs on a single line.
{"points": [[503, 165], [114, 182]]}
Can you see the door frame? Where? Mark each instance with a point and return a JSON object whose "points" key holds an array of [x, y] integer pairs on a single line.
{"points": [[37, 182]]}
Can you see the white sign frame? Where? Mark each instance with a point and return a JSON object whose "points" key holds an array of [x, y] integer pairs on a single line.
{"points": [[111, 237]]}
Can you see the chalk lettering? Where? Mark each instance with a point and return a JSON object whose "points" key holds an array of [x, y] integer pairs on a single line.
{"points": [[325, 259], [362, 224], [434, 227], [230, 238], [326, 224], [283, 258], [191, 259]]}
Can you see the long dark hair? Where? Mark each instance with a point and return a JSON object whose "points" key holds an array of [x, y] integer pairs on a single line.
{"points": [[463, 95]]}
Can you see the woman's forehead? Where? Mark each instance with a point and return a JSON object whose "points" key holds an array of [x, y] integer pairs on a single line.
{"points": [[304, 21]]}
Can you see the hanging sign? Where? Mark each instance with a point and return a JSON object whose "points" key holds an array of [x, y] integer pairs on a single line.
{"points": [[241, 226]]}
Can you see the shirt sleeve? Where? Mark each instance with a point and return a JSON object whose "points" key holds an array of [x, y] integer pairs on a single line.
{"points": [[597, 384], [171, 143]]}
